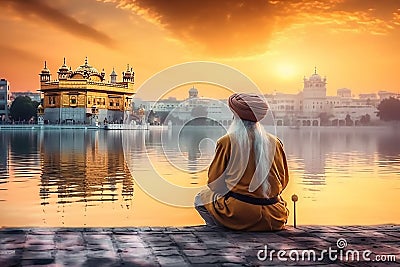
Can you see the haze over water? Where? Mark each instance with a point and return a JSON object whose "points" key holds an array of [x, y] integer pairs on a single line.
{"points": [[80, 178]]}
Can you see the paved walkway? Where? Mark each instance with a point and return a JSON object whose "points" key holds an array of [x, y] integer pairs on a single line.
{"points": [[198, 246]]}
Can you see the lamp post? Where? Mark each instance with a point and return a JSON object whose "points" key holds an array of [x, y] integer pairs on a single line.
{"points": [[95, 111], [40, 113]]}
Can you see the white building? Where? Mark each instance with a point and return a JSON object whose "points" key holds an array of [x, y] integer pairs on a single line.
{"points": [[355, 112], [182, 111], [314, 95], [5, 99], [386, 94], [33, 96], [309, 106]]}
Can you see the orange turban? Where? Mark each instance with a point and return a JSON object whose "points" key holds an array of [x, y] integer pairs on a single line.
{"points": [[249, 107]]}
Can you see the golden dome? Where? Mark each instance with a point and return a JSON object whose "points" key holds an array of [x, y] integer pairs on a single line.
{"points": [[86, 68]]}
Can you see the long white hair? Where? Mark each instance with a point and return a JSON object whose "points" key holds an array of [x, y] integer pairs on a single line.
{"points": [[244, 135]]}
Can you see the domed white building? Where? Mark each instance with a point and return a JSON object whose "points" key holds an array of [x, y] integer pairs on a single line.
{"points": [[314, 94]]}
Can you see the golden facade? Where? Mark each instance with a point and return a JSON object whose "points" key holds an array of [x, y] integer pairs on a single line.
{"points": [[77, 96]]}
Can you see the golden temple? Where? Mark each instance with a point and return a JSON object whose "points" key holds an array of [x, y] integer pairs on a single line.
{"points": [[83, 95]]}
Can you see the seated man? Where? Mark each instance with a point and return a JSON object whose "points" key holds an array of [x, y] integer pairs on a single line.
{"points": [[248, 173]]}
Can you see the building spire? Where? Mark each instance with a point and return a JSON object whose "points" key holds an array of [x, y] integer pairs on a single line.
{"points": [[64, 60], [45, 64], [86, 60], [315, 70]]}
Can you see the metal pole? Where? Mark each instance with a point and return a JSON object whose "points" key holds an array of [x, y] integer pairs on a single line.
{"points": [[294, 199]]}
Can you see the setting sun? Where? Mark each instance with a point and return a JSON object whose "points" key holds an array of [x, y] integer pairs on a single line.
{"points": [[286, 70]]}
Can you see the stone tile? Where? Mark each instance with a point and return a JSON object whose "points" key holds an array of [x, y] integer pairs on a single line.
{"points": [[134, 252], [196, 253], [128, 238], [13, 231], [209, 259], [171, 260], [11, 238], [63, 255], [167, 252], [100, 254], [39, 247], [42, 231], [102, 261], [11, 246], [39, 240], [138, 261], [161, 243], [131, 245], [194, 246], [184, 238]]}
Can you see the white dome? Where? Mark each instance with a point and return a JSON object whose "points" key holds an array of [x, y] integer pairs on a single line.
{"points": [[315, 77]]}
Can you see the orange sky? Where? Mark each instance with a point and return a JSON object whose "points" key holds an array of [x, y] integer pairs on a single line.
{"points": [[352, 42]]}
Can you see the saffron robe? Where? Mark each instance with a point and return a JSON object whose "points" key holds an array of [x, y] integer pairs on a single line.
{"points": [[239, 215]]}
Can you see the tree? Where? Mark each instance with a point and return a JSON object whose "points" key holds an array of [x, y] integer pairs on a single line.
{"points": [[365, 119], [151, 117], [325, 118], [348, 120], [389, 109], [23, 108]]}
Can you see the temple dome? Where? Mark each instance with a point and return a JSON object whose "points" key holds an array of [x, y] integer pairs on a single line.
{"points": [[86, 68], [315, 77], [193, 90]]}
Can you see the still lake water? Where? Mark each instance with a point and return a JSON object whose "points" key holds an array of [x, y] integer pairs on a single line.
{"points": [[81, 178]]}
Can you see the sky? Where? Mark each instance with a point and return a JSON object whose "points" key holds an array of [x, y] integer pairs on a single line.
{"points": [[354, 43]]}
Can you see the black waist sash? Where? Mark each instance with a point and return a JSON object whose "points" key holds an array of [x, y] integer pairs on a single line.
{"points": [[252, 200]]}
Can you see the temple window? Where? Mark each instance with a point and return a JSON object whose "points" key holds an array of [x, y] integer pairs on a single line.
{"points": [[52, 100], [73, 100]]}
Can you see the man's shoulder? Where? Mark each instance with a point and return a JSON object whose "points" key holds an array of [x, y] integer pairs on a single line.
{"points": [[224, 140], [274, 139]]}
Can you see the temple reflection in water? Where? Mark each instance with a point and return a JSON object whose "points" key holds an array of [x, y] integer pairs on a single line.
{"points": [[83, 166]]}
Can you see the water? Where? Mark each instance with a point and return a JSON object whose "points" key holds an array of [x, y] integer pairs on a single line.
{"points": [[81, 178]]}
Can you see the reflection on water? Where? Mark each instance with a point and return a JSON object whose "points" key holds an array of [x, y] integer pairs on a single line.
{"points": [[80, 167], [80, 178]]}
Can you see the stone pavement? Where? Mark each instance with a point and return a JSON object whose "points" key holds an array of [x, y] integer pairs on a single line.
{"points": [[199, 246]]}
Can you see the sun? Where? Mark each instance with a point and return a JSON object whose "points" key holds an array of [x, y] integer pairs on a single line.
{"points": [[285, 70]]}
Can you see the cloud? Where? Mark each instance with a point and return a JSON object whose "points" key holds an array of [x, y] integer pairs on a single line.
{"points": [[238, 27], [214, 27], [36, 9], [10, 54]]}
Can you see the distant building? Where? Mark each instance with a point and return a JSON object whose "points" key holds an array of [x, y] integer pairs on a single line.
{"points": [[314, 95], [368, 96], [183, 111], [83, 94], [5, 100], [309, 106], [31, 95], [344, 92], [386, 94]]}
